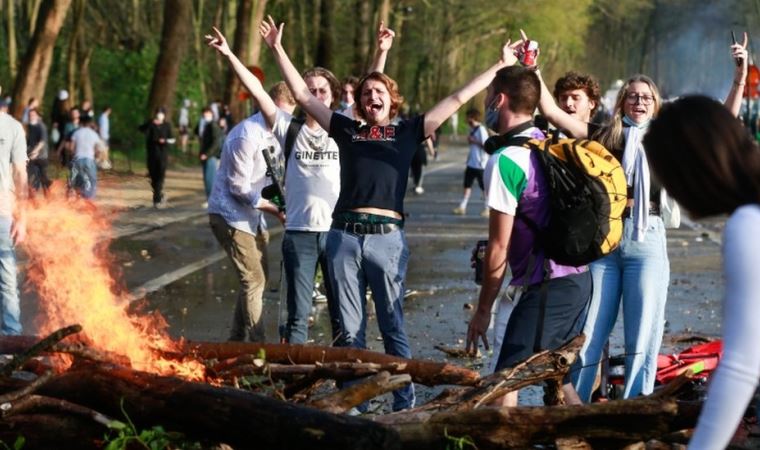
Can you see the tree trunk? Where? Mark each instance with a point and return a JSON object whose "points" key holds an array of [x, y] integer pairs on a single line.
{"points": [[33, 16], [254, 50], [324, 42], [72, 53], [385, 11], [361, 37], [134, 17], [241, 44], [425, 372], [10, 16], [174, 38], [239, 418], [35, 68], [85, 81], [614, 423], [197, 19]]}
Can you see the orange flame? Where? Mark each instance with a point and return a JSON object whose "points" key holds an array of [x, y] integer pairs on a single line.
{"points": [[67, 247]]}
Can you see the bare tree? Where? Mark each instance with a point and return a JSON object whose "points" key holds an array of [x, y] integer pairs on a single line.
{"points": [[10, 17], [324, 43], [174, 38], [240, 47], [361, 37], [35, 68]]}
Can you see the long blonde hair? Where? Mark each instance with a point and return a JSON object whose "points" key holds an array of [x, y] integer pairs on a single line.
{"points": [[611, 135]]}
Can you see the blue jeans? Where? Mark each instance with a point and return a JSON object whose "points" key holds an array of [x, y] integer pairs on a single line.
{"points": [[380, 261], [210, 166], [9, 296], [84, 177], [302, 251], [638, 273]]}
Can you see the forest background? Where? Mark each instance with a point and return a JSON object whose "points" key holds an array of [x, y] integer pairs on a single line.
{"points": [[135, 55]]}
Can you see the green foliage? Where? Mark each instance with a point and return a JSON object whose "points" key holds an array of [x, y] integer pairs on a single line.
{"points": [[128, 437], [18, 444], [458, 443], [122, 80]]}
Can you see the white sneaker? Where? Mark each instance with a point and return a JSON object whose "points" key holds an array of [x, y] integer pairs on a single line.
{"points": [[459, 211], [318, 297], [419, 190]]}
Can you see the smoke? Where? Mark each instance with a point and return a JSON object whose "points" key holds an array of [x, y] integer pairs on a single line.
{"points": [[692, 53]]}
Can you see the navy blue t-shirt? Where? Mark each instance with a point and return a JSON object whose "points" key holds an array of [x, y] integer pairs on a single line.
{"points": [[374, 161]]}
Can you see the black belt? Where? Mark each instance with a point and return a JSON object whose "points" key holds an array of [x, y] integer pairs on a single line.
{"points": [[653, 211], [366, 228]]}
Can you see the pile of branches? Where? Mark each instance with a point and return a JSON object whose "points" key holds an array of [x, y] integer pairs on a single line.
{"points": [[277, 396]]}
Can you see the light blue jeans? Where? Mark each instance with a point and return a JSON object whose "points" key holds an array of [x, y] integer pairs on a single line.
{"points": [[380, 261], [302, 252], [9, 295], [210, 167], [638, 273], [84, 177]]}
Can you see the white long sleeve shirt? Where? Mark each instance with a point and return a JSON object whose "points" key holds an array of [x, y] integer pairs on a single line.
{"points": [[737, 376]]}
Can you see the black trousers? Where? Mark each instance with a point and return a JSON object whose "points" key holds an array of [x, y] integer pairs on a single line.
{"points": [[37, 172], [157, 162]]}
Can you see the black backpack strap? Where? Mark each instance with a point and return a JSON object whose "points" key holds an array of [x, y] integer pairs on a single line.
{"points": [[290, 137], [495, 143]]}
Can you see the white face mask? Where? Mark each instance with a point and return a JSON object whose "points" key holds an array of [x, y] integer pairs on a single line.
{"points": [[160, 116]]}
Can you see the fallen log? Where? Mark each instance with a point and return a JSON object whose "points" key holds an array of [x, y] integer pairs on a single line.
{"points": [[38, 348], [356, 394], [250, 365], [428, 373], [46, 431], [239, 418], [546, 365], [621, 421]]}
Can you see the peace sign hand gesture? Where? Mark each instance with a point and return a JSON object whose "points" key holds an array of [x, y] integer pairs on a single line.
{"points": [[739, 53]]}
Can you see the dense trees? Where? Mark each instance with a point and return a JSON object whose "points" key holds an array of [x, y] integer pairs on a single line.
{"points": [[125, 53]]}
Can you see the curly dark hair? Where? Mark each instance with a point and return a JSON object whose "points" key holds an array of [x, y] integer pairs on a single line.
{"points": [[574, 80]]}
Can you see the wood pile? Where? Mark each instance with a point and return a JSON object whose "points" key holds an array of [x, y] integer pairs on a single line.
{"points": [[274, 396]]}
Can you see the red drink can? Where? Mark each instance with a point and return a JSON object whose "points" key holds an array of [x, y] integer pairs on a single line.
{"points": [[529, 54]]}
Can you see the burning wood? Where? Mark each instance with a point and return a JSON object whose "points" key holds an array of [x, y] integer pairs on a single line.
{"points": [[90, 392]]}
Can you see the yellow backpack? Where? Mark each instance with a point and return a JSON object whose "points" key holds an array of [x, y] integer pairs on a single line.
{"points": [[588, 196]]}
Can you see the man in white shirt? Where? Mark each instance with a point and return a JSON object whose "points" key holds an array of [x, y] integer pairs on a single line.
{"points": [[235, 207], [13, 186], [477, 159], [85, 142]]}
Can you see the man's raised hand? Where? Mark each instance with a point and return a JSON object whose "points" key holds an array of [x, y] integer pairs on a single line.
{"points": [[271, 34], [384, 37], [218, 42]]}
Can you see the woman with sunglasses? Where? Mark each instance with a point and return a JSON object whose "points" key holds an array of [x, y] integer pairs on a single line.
{"points": [[637, 273]]}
